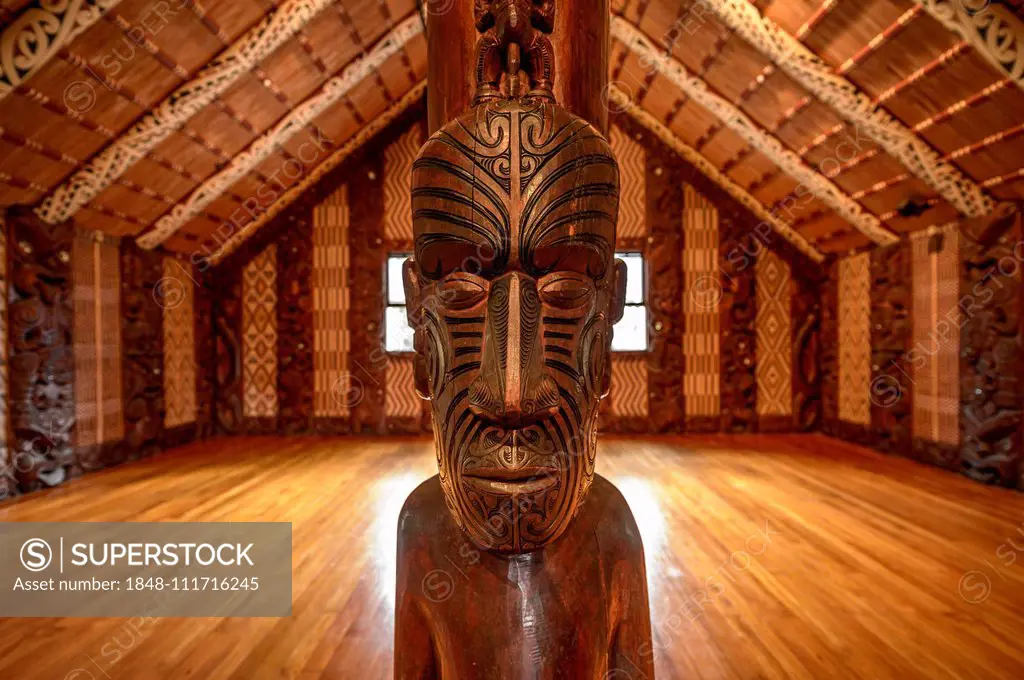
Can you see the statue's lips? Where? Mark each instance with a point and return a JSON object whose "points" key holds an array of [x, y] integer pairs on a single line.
{"points": [[512, 481]]}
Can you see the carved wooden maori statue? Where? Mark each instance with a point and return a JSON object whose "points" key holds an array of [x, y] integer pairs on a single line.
{"points": [[513, 39], [991, 354], [41, 353], [517, 560]]}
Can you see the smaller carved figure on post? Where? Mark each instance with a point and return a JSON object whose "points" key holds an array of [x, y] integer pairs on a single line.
{"points": [[513, 40]]}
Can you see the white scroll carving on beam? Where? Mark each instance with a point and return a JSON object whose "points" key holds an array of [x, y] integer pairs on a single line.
{"points": [[806, 68], [38, 33], [620, 101], [993, 30], [177, 108], [297, 119], [307, 182], [816, 184]]}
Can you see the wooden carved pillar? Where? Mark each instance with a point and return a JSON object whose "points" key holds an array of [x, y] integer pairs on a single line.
{"points": [[891, 339], [295, 323], [830, 350], [41, 361], [665, 292], [991, 355], [737, 255], [807, 391], [367, 359], [142, 340], [580, 58], [227, 323]]}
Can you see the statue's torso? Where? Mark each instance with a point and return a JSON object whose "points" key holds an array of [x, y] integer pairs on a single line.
{"points": [[567, 611]]}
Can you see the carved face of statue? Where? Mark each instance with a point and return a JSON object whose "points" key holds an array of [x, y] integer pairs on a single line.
{"points": [[513, 292]]}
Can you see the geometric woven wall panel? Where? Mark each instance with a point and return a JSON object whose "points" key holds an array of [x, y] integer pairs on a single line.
{"points": [[935, 364], [398, 159], [179, 344], [633, 187], [774, 336], [628, 393], [855, 339], [96, 281], [401, 400], [701, 298], [259, 335], [331, 381]]}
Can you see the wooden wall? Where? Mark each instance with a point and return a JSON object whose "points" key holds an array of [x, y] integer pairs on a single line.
{"points": [[928, 353], [107, 354], [300, 319]]}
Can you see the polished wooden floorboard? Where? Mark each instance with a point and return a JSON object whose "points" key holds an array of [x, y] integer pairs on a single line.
{"points": [[768, 557]]}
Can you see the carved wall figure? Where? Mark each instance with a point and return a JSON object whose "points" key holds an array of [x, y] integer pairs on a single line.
{"points": [[513, 39], [41, 356], [738, 253], [142, 339], [892, 330]]}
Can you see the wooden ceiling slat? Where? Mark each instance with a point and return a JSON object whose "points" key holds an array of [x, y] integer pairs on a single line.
{"points": [[880, 40], [814, 74]]}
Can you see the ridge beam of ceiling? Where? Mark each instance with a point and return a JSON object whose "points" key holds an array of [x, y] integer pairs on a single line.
{"points": [[732, 117], [177, 108], [354, 143], [853, 105], [38, 34], [266, 144], [992, 29], [619, 101]]}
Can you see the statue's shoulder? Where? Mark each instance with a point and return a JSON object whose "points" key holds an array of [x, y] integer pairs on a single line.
{"points": [[608, 514], [422, 508]]}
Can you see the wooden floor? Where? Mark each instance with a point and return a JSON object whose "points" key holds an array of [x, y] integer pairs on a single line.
{"points": [[768, 557]]}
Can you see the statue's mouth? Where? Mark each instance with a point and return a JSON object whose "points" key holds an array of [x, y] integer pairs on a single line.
{"points": [[512, 481]]}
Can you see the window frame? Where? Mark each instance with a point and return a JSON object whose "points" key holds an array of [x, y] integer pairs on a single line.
{"points": [[402, 256], [625, 353]]}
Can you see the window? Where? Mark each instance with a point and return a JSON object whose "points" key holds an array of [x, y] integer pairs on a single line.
{"points": [[397, 333], [631, 333]]}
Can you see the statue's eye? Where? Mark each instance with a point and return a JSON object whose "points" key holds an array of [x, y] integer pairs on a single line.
{"points": [[566, 291], [461, 291]]}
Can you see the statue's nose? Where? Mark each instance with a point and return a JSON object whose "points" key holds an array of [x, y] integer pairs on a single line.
{"points": [[514, 388]]}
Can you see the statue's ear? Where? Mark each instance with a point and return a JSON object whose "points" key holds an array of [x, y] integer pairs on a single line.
{"points": [[414, 312], [618, 306]]}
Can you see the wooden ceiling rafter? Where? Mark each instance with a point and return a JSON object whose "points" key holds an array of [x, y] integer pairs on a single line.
{"points": [[293, 122], [176, 109], [878, 41], [52, 25], [926, 71], [307, 182], [816, 18], [852, 104], [996, 32], [620, 102], [739, 122]]}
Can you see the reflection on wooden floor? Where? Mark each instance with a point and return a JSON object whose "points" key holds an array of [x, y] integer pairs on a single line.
{"points": [[768, 557]]}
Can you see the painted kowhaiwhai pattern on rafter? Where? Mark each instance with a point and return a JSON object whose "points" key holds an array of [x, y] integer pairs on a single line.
{"points": [[632, 161], [808, 69], [774, 336], [259, 335], [855, 339], [178, 108]]}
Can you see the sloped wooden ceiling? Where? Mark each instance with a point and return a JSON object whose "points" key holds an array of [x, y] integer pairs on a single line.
{"points": [[185, 124]]}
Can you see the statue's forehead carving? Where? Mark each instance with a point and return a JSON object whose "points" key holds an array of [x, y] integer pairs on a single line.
{"points": [[515, 180]]}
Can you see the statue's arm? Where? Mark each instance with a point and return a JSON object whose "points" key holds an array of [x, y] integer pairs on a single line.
{"points": [[632, 650], [414, 650]]}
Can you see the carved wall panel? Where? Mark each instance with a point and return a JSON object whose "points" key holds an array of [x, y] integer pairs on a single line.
{"points": [[228, 351], [96, 281], [295, 320], [259, 335], [206, 354], [806, 354], [774, 342], [890, 396], [737, 255], [142, 339], [702, 294], [855, 339], [331, 305], [8, 483], [935, 356], [41, 356], [830, 350], [992, 392], [177, 296]]}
